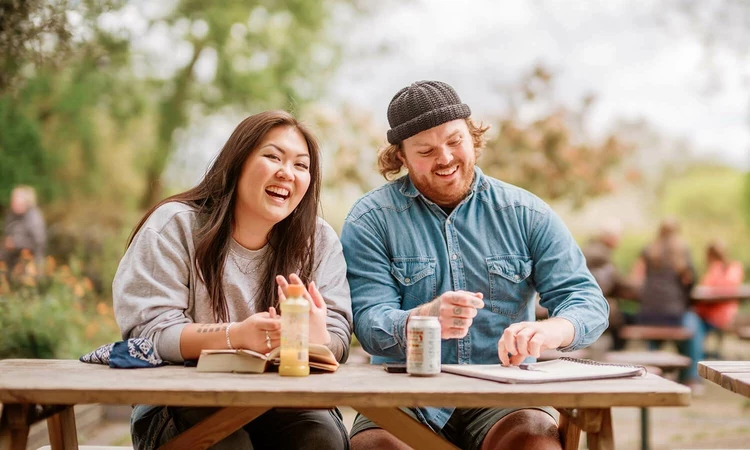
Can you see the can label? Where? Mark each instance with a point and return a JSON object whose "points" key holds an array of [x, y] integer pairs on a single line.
{"points": [[423, 346]]}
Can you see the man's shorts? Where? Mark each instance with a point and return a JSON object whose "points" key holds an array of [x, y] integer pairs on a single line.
{"points": [[466, 427]]}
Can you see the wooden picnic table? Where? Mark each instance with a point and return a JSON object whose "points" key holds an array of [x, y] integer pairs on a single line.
{"points": [[731, 375], [701, 294], [33, 390]]}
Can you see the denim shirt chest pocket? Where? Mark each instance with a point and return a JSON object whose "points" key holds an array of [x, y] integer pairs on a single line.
{"points": [[510, 286], [416, 279]]}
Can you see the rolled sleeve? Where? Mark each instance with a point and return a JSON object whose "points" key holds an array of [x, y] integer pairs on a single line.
{"points": [[565, 285], [150, 293], [379, 320]]}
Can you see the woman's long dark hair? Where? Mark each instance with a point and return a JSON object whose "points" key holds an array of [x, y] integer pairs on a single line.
{"points": [[291, 240]]}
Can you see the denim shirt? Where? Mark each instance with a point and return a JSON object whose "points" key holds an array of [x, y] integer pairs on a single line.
{"points": [[402, 250]]}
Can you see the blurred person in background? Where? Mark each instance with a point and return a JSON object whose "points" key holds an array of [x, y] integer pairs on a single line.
{"points": [[667, 273], [24, 228], [202, 267], [721, 272], [614, 285]]}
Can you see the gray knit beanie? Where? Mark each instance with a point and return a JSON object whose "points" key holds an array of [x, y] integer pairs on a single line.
{"points": [[421, 106]]}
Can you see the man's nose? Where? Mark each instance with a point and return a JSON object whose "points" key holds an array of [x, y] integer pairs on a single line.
{"points": [[445, 155]]}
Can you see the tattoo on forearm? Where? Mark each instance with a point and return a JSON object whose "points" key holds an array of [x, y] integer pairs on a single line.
{"points": [[210, 328]]}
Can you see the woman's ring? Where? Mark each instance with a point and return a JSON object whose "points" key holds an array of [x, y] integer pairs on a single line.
{"points": [[268, 340]]}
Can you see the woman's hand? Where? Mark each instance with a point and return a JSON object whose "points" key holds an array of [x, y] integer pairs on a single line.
{"points": [[260, 332], [318, 330]]}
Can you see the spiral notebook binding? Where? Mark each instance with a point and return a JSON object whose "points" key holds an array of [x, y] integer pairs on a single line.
{"points": [[591, 362]]}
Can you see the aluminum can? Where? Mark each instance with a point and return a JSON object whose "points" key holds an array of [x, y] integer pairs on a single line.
{"points": [[423, 346]]}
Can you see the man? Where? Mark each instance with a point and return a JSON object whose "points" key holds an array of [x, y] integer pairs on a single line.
{"points": [[24, 228], [614, 285], [448, 241]]}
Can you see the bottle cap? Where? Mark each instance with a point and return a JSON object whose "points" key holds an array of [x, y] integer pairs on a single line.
{"points": [[295, 290]]}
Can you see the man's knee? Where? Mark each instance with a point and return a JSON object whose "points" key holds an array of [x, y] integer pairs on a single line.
{"points": [[375, 439], [527, 428]]}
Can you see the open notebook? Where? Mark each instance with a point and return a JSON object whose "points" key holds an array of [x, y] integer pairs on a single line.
{"points": [[562, 369]]}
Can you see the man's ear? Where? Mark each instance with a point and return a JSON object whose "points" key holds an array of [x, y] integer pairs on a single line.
{"points": [[400, 156]]}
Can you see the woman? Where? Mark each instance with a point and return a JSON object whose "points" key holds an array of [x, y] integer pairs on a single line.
{"points": [[665, 297], [721, 272], [201, 268]]}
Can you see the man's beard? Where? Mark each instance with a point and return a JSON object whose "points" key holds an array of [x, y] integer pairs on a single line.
{"points": [[445, 195]]}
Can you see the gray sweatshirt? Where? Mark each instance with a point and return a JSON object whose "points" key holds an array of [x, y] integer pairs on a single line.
{"points": [[157, 290]]}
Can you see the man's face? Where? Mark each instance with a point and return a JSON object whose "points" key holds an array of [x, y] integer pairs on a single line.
{"points": [[441, 162]]}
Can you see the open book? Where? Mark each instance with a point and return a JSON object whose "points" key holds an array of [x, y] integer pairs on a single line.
{"points": [[248, 361], [562, 369]]}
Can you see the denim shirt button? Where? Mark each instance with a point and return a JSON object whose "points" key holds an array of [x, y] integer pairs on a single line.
{"points": [[407, 279], [454, 257], [447, 221]]}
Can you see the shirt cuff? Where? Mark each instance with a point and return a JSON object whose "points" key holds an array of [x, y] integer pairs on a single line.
{"points": [[168, 345], [575, 344], [399, 327]]}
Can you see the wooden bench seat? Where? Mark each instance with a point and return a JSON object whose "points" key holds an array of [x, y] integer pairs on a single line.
{"points": [[655, 333], [663, 360], [743, 332]]}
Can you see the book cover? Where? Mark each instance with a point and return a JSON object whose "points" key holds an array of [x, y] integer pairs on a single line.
{"points": [[562, 369], [248, 361]]}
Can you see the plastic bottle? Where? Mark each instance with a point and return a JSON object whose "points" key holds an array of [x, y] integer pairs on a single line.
{"points": [[295, 331]]}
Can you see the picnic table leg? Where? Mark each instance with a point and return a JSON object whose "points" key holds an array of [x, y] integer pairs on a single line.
{"points": [[14, 427], [645, 441], [62, 430], [597, 423], [405, 428], [604, 438], [570, 433], [214, 428]]}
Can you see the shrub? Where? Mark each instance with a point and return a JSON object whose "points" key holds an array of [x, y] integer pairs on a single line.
{"points": [[53, 314]]}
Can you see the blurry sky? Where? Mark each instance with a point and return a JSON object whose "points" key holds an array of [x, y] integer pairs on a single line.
{"points": [[639, 58]]}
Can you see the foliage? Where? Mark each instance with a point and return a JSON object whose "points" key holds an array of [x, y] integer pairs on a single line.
{"points": [[50, 315], [705, 200], [52, 123], [41, 33], [551, 155], [267, 55]]}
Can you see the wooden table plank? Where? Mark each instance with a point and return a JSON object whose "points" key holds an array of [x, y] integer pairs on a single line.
{"points": [[355, 385], [709, 294], [731, 375]]}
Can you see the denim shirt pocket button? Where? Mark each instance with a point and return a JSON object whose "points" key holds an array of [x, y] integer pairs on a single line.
{"points": [[510, 287], [416, 279]]}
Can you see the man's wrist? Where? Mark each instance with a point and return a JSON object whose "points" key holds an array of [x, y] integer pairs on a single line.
{"points": [[566, 330]]}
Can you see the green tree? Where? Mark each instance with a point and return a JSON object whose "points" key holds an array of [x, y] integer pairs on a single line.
{"points": [[40, 32], [267, 54]]}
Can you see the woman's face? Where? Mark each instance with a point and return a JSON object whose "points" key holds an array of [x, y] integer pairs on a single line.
{"points": [[275, 176]]}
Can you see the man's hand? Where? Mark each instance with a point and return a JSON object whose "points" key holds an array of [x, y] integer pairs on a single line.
{"points": [[524, 339], [455, 310]]}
